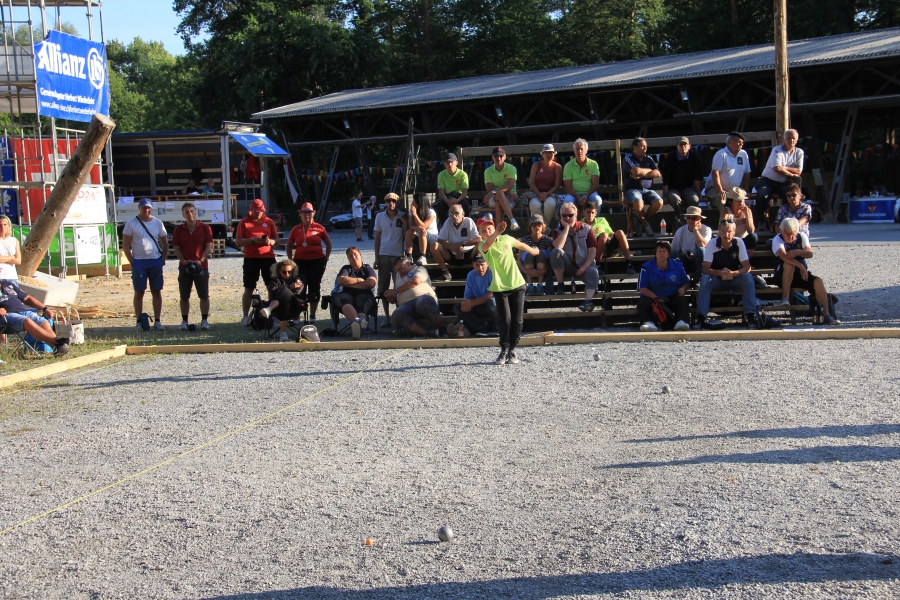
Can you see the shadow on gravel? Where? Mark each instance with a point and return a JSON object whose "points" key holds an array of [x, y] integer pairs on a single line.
{"points": [[755, 570], [835, 431], [799, 456]]}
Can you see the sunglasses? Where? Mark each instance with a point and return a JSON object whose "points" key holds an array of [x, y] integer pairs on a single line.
{"points": [[567, 215], [287, 271], [790, 195], [537, 225], [726, 222], [456, 214], [499, 156]]}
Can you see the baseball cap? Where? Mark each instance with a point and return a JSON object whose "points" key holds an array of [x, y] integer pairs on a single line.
{"points": [[392, 196], [737, 134], [307, 207], [258, 206], [538, 219], [684, 139], [146, 202], [548, 148], [485, 219], [498, 151], [450, 156], [478, 258]]}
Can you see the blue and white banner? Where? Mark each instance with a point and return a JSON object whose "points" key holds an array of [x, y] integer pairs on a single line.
{"points": [[71, 77]]}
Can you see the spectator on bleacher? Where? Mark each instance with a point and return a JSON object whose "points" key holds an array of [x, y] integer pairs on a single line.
{"points": [[783, 168], [791, 248], [478, 310], [354, 291], [581, 177], [795, 208], [500, 183], [608, 241], [390, 232], [682, 174], [726, 266], [663, 278], [415, 299], [574, 254], [16, 314], [356, 211], [10, 250], [190, 188], [455, 241], [452, 189], [210, 187], [256, 235], [507, 285], [192, 241], [545, 181], [422, 229], [307, 240], [730, 169], [534, 267], [736, 208], [286, 300], [638, 173], [690, 240]]}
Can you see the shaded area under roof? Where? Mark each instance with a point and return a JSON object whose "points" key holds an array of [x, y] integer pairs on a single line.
{"points": [[825, 50]]}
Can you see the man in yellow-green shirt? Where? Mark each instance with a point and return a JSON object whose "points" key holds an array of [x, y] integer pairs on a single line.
{"points": [[581, 177], [500, 183], [452, 189]]}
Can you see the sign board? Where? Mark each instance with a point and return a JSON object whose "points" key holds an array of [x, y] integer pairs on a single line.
{"points": [[871, 210], [88, 247], [258, 144], [72, 81], [89, 207]]}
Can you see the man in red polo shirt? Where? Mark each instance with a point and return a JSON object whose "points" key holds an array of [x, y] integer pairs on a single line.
{"points": [[257, 235], [192, 241]]}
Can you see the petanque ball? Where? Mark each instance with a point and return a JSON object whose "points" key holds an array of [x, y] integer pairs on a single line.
{"points": [[597, 357], [666, 390], [445, 534]]}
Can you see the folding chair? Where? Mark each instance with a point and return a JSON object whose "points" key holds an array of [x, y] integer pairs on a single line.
{"points": [[336, 315], [269, 326], [22, 343]]}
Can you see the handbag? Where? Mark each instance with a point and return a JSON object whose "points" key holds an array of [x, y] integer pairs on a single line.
{"points": [[76, 325], [662, 314], [61, 327]]}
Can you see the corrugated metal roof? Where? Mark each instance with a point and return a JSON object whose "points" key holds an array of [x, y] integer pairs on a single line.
{"points": [[832, 49]]}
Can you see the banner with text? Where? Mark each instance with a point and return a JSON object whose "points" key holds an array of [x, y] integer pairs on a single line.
{"points": [[72, 82]]}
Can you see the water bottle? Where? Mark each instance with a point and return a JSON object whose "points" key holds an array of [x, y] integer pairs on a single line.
{"points": [[662, 226]]}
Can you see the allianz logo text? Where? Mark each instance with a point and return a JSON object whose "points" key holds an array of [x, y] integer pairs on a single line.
{"points": [[51, 58]]}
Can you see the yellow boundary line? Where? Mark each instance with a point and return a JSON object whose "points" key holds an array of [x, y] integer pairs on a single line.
{"points": [[60, 367], [215, 440]]}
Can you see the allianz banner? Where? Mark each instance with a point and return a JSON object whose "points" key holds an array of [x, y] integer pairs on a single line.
{"points": [[71, 77]]}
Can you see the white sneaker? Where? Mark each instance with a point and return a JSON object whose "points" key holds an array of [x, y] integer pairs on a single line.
{"points": [[364, 323], [355, 330], [681, 326], [244, 322], [183, 326], [513, 225], [204, 325], [421, 261], [283, 337], [158, 326], [265, 312], [648, 326]]}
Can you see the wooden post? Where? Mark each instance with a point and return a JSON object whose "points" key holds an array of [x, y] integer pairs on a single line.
{"points": [[63, 195], [782, 96]]}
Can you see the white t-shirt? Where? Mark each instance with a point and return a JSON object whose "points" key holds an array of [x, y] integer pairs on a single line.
{"points": [[465, 232], [731, 168], [685, 241], [143, 246], [391, 231], [8, 248], [782, 158], [432, 228], [357, 208], [778, 243]]}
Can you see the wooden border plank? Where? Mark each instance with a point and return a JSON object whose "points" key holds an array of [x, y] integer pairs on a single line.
{"points": [[819, 333], [60, 367]]}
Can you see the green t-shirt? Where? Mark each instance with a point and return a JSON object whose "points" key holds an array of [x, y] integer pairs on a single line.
{"points": [[580, 176], [453, 183], [502, 261], [499, 178], [600, 225]]}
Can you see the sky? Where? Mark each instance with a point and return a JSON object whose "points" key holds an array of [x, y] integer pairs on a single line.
{"points": [[124, 20]]}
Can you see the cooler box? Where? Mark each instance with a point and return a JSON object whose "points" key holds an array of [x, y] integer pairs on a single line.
{"points": [[871, 210]]}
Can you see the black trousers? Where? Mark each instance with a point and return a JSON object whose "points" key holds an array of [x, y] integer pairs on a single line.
{"points": [[678, 304], [311, 273], [510, 311], [290, 305]]}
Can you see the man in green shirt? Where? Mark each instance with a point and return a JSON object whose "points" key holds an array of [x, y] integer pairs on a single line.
{"points": [[608, 241], [452, 189], [500, 183], [581, 177]]}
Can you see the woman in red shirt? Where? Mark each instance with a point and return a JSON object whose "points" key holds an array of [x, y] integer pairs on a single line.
{"points": [[305, 243]]}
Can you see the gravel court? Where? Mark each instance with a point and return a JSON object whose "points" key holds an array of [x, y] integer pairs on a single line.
{"points": [[562, 477]]}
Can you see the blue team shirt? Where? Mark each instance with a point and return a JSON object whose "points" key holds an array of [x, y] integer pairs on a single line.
{"points": [[663, 283], [477, 286]]}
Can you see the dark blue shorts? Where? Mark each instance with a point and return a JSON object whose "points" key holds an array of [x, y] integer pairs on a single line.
{"points": [[144, 269]]}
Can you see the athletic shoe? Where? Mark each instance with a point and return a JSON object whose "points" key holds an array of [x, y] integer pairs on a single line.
{"points": [[311, 320], [681, 326], [139, 327], [560, 289], [446, 276], [511, 358], [529, 289], [698, 323], [363, 323], [830, 320], [436, 333], [629, 268], [183, 326], [759, 282], [539, 290], [355, 329], [501, 360], [648, 230], [245, 321], [648, 326], [204, 325], [284, 337], [421, 261], [62, 347], [513, 225], [265, 312], [385, 322], [783, 302], [586, 306], [158, 326]]}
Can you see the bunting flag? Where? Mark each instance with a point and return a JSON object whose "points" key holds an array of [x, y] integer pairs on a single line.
{"points": [[288, 168]]}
